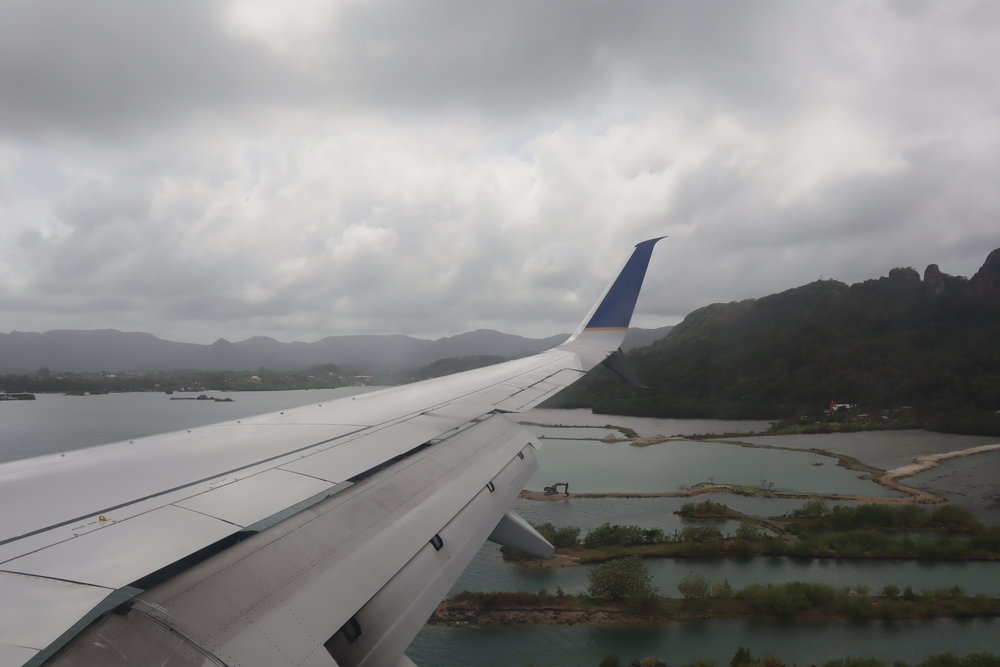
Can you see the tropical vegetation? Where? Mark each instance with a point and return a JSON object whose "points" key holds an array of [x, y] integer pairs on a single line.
{"points": [[901, 351]]}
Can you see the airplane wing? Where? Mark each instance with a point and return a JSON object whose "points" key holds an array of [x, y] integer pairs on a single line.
{"points": [[323, 535]]}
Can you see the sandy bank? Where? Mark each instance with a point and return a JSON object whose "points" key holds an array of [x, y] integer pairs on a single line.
{"points": [[913, 495], [923, 463]]}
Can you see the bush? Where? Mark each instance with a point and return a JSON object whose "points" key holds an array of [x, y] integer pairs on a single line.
{"points": [[750, 530], [706, 507], [607, 535], [621, 579], [742, 658], [566, 536], [559, 536], [955, 518], [702, 534], [693, 586], [722, 589], [813, 509], [774, 599]]}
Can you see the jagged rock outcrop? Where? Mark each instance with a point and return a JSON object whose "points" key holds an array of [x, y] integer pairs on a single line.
{"points": [[904, 275], [934, 280], [986, 282]]}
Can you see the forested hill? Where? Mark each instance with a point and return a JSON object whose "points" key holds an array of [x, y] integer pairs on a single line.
{"points": [[932, 343]]}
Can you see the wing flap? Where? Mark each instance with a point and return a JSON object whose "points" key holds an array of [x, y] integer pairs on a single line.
{"points": [[119, 554], [11, 654], [356, 456], [36, 610], [71, 486], [247, 501]]}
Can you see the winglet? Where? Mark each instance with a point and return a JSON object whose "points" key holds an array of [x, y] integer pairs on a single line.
{"points": [[614, 309]]}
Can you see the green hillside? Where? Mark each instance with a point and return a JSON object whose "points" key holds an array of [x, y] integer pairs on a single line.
{"points": [[931, 344]]}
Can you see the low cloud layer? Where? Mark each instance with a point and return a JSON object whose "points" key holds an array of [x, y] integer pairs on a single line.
{"points": [[203, 170]]}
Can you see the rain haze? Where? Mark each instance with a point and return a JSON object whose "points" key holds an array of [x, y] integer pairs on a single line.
{"points": [[229, 169]]}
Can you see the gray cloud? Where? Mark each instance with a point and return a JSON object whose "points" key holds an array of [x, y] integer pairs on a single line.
{"points": [[232, 169]]}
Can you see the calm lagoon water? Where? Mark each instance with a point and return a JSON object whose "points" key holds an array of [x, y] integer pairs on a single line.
{"points": [[488, 572], [972, 482], [588, 513], [881, 449], [591, 466]]}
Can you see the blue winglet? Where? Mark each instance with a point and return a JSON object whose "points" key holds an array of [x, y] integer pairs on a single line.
{"points": [[615, 309]]}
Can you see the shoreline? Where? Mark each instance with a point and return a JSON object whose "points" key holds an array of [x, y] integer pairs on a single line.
{"points": [[572, 610], [887, 478], [930, 461]]}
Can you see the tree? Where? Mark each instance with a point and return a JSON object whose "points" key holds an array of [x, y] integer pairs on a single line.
{"points": [[750, 531], [742, 658], [813, 509], [621, 579], [723, 589], [702, 534], [559, 536], [955, 518], [693, 586], [890, 591]]}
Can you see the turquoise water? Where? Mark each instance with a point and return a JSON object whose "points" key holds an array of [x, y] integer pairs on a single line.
{"points": [[717, 640]]}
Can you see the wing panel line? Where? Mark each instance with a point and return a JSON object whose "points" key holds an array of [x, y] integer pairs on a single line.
{"points": [[108, 510]]}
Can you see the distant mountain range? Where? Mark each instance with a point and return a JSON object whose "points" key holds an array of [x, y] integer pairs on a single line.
{"points": [[110, 349]]}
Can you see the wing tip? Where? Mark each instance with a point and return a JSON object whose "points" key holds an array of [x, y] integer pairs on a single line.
{"points": [[615, 309]]}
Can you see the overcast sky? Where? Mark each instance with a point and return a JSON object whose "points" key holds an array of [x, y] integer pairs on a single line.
{"points": [[228, 169]]}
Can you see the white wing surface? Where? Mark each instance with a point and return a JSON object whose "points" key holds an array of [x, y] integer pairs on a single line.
{"points": [[321, 535]]}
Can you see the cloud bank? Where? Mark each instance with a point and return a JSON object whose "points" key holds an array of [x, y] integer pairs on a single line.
{"points": [[199, 170]]}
